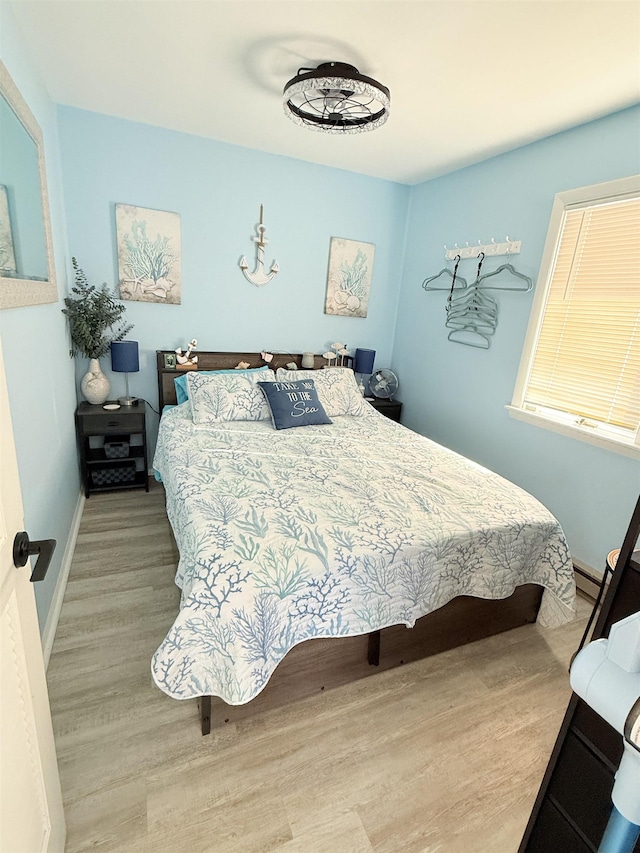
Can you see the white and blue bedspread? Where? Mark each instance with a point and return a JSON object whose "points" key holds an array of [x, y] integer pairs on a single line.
{"points": [[328, 531]]}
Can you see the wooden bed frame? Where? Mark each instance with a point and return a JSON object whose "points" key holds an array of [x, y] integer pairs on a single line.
{"points": [[219, 361], [463, 620]]}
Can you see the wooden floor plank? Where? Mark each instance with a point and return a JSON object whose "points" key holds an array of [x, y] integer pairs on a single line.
{"points": [[440, 755]]}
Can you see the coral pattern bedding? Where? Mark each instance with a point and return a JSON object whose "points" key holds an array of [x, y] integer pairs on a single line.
{"points": [[328, 531]]}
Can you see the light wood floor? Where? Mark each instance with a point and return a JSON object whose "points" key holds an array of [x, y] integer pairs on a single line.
{"points": [[442, 755]]}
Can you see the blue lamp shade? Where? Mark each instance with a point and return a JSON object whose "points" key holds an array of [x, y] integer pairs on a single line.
{"points": [[124, 357], [364, 360]]}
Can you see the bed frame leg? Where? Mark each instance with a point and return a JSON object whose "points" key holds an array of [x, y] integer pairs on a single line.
{"points": [[205, 714], [373, 652]]}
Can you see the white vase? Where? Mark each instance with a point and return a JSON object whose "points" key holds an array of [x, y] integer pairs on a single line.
{"points": [[95, 385]]}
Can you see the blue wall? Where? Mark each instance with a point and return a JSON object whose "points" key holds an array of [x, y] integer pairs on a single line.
{"points": [[456, 394], [40, 374], [217, 189]]}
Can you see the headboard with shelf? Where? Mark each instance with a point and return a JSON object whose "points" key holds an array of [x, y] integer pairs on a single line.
{"points": [[219, 361]]}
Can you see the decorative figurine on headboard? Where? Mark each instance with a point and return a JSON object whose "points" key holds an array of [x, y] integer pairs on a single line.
{"points": [[341, 351], [187, 361]]}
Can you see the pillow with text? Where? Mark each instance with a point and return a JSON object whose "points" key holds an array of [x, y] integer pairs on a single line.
{"points": [[294, 404]]}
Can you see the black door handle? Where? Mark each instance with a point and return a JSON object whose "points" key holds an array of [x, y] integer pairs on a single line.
{"points": [[23, 548]]}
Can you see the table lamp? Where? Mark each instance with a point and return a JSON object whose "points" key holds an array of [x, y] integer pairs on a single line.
{"points": [[124, 359], [364, 360], [363, 365]]}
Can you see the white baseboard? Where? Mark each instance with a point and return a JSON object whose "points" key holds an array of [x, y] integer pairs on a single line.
{"points": [[49, 633], [588, 579]]}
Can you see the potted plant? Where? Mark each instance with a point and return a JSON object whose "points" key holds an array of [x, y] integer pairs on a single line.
{"points": [[95, 319]]}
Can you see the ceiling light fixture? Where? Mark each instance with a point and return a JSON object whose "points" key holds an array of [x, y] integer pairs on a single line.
{"points": [[336, 98]]}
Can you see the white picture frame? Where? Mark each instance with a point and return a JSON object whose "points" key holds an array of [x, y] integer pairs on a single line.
{"points": [[21, 288]]}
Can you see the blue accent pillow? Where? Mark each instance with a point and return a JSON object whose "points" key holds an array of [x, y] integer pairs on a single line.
{"points": [[182, 395], [293, 404]]}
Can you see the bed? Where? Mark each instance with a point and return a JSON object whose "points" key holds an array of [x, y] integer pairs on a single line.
{"points": [[331, 530]]}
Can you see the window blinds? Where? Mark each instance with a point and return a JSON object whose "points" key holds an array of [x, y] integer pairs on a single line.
{"points": [[587, 356]]}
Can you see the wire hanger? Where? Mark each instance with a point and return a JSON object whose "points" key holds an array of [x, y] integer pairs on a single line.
{"points": [[470, 337], [446, 271], [510, 269], [478, 308]]}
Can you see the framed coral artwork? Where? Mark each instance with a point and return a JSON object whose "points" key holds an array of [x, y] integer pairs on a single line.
{"points": [[349, 277], [149, 254]]}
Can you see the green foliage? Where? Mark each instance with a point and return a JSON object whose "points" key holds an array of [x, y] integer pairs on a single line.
{"points": [[95, 318], [256, 524], [248, 548], [342, 538], [278, 573]]}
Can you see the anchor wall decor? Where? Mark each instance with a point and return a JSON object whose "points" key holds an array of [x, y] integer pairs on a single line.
{"points": [[259, 276]]}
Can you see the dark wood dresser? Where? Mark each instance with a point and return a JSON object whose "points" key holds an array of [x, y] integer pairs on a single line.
{"points": [[573, 805]]}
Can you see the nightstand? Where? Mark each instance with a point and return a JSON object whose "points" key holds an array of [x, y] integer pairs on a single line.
{"points": [[390, 408], [113, 447]]}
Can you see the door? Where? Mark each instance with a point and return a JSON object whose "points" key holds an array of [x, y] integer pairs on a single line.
{"points": [[31, 813]]}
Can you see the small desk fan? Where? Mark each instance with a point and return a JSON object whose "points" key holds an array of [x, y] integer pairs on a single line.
{"points": [[383, 384]]}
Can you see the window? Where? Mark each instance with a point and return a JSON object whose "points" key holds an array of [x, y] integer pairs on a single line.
{"points": [[580, 367]]}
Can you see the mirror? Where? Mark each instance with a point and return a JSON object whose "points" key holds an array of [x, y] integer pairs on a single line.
{"points": [[27, 273]]}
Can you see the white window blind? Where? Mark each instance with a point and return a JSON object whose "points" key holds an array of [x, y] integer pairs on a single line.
{"points": [[586, 361]]}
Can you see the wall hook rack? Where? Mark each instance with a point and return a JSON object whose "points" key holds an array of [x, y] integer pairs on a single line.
{"points": [[507, 247]]}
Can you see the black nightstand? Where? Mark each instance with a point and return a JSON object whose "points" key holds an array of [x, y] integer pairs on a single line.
{"points": [[390, 408], [113, 447]]}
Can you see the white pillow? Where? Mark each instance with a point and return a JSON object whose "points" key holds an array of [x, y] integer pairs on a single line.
{"points": [[226, 397], [336, 387]]}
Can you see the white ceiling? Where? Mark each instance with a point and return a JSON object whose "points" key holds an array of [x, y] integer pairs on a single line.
{"points": [[468, 78]]}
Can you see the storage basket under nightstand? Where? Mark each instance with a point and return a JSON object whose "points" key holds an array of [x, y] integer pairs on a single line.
{"points": [[116, 449], [114, 474]]}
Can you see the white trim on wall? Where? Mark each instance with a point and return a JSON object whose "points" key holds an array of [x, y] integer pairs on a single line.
{"points": [[588, 579], [49, 633], [626, 448]]}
